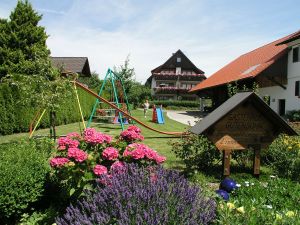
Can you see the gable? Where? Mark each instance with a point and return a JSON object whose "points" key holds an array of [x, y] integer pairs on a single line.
{"points": [[172, 63]]}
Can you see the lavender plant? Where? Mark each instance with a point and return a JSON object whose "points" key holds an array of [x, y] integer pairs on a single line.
{"points": [[142, 196]]}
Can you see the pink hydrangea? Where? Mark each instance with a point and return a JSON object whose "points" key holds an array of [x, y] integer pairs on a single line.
{"points": [[65, 142], [131, 136], [93, 137], [140, 151], [110, 153], [73, 135], [100, 170], [58, 161], [160, 159], [134, 129], [77, 154], [118, 167]]}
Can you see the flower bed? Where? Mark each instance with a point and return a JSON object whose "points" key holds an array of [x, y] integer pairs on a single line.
{"points": [[275, 201], [79, 160], [142, 195]]}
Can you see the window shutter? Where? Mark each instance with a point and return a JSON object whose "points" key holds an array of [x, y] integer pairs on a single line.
{"points": [[297, 88]]}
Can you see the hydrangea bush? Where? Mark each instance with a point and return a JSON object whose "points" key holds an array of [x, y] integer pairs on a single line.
{"points": [[79, 160], [142, 195]]}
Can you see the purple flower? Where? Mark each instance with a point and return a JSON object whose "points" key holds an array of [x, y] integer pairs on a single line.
{"points": [[134, 197]]}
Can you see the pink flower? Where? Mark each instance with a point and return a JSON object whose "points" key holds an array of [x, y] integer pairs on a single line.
{"points": [[58, 162], [118, 167], [160, 159], [77, 154], [110, 153], [100, 170], [138, 153], [73, 135], [65, 142], [131, 136], [93, 137], [150, 153], [134, 129]]}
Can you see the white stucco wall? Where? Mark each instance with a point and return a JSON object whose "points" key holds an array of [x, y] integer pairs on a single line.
{"points": [[292, 102]]}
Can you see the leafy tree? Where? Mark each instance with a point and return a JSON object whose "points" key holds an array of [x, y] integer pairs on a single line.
{"points": [[23, 44], [126, 73], [138, 94], [92, 82]]}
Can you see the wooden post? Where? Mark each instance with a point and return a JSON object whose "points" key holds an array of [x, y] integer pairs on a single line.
{"points": [[256, 161], [226, 162]]}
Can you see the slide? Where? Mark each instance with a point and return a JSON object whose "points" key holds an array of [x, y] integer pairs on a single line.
{"points": [[160, 116], [82, 86]]}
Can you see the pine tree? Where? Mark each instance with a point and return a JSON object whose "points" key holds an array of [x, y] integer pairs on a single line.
{"points": [[24, 45]]}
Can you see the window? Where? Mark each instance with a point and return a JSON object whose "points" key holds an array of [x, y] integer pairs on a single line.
{"points": [[297, 88], [178, 59], [296, 54]]}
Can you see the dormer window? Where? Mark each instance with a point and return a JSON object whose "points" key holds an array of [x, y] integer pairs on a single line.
{"points": [[296, 54], [178, 59]]}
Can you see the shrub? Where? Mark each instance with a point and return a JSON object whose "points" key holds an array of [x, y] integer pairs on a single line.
{"points": [[23, 172], [273, 201], [166, 104], [293, 116], [283, 155], [143, 196], [196, 151], [79, 160]]}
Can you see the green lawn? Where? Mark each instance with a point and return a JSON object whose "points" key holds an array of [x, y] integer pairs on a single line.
{"points": [[159, 142]]}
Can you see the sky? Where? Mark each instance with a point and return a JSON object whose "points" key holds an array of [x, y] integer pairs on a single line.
{"points": [[211, 33]]}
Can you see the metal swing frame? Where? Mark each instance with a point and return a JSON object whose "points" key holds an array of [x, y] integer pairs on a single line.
{"points": [[113, 77]]}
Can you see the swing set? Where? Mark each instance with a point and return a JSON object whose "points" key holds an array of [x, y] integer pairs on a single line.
{"points": [[119, 107]]}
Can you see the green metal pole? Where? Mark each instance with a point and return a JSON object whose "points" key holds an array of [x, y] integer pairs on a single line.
{"points": [[97, 100], [116, 98]]}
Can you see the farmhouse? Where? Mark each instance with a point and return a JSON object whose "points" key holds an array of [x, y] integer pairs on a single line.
{"points": [[69, 65], [173, 79], [275, 67]]}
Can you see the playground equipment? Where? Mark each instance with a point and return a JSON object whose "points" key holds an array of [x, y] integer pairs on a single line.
{"points": [[158, 115], [118, 95], [125, 113]]}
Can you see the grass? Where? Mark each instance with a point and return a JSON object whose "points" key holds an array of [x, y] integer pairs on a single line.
{"points": [[159, 142]]}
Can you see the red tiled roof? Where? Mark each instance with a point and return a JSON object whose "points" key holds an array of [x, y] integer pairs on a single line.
{"points": [[248, 65]]}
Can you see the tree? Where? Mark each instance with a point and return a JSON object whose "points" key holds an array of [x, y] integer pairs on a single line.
{"points": [[23, 43], [126, 73], [138, 94]]}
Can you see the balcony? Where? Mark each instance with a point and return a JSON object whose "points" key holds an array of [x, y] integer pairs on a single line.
{"points": [[183, 76], [170, 90]]}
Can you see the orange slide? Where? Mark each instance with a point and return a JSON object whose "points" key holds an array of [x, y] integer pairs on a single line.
{"points": [[125, 113]]}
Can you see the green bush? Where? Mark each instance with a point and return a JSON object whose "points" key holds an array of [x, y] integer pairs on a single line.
{"points": [[196, 151], [283, 155], [186, 104], [17, 113], [23, 170], [293, 116]]}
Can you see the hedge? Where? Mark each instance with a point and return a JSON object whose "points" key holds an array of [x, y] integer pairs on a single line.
{"points": [[16, 117], [188, 104], [23, 170]]}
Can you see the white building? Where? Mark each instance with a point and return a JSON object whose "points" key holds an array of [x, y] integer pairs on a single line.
{"points": [[274, 67], [173, 79]]}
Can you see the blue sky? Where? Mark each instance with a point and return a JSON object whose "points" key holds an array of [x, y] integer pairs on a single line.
{"points": [[210, 32]]}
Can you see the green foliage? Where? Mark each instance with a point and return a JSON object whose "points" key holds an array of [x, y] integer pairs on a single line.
{"points": [[274, 201], [293, 116], [92, 82], [168, 104], [138, 94], [23, 44], [233, 88], [196, 151], [283, 155], [19, 104], [127, 74], [23, 171]]}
